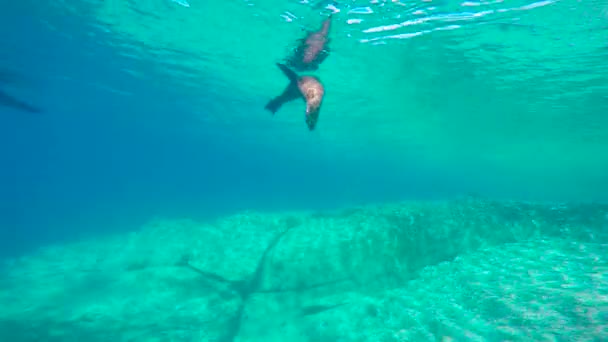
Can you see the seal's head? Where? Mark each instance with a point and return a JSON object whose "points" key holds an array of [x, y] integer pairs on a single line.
{"points": [[313, 92], [313, 106]]}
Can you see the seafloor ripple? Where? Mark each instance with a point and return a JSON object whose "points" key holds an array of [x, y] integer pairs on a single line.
{"points": [[542, 290]]}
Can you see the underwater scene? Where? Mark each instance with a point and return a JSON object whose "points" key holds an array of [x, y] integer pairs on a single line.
{"points": [[303, 170]]}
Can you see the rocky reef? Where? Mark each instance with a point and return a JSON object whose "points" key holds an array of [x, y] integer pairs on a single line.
{"points": [[469, 269]]}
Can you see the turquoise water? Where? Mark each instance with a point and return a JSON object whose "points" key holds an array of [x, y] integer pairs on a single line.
{"points": [[453, 189], [508, 92]]}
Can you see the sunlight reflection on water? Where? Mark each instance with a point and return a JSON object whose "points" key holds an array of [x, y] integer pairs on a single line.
{"points": [[445, 17], [181, 2]]}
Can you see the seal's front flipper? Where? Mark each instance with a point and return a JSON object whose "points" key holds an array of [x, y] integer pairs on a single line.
{"points": [[290, 93], [293, 77], [274, 105], [297, 54], [314, 65]]}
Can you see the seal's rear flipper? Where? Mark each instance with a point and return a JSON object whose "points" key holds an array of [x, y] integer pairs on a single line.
{"points": [[293, 77]]}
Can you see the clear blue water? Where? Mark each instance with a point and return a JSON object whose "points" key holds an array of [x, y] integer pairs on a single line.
{"points": [[153, 112], [113, 148]]}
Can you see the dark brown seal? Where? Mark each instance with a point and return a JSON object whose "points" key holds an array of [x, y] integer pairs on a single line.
{"points": [[312, 50], [308, 88]]}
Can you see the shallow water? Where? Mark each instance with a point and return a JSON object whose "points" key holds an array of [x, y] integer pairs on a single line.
{"points": [[518, 84], [152, 198]]}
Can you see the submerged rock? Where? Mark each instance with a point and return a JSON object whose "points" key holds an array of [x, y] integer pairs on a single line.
{"points": [[466, 270]]}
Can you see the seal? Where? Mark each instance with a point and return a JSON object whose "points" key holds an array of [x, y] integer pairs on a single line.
{"points": [[308, 88], [8, 100], [312, 50]]}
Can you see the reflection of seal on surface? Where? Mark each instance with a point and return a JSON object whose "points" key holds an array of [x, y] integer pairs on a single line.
{"points": [[312, 50], [307, 87]]}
